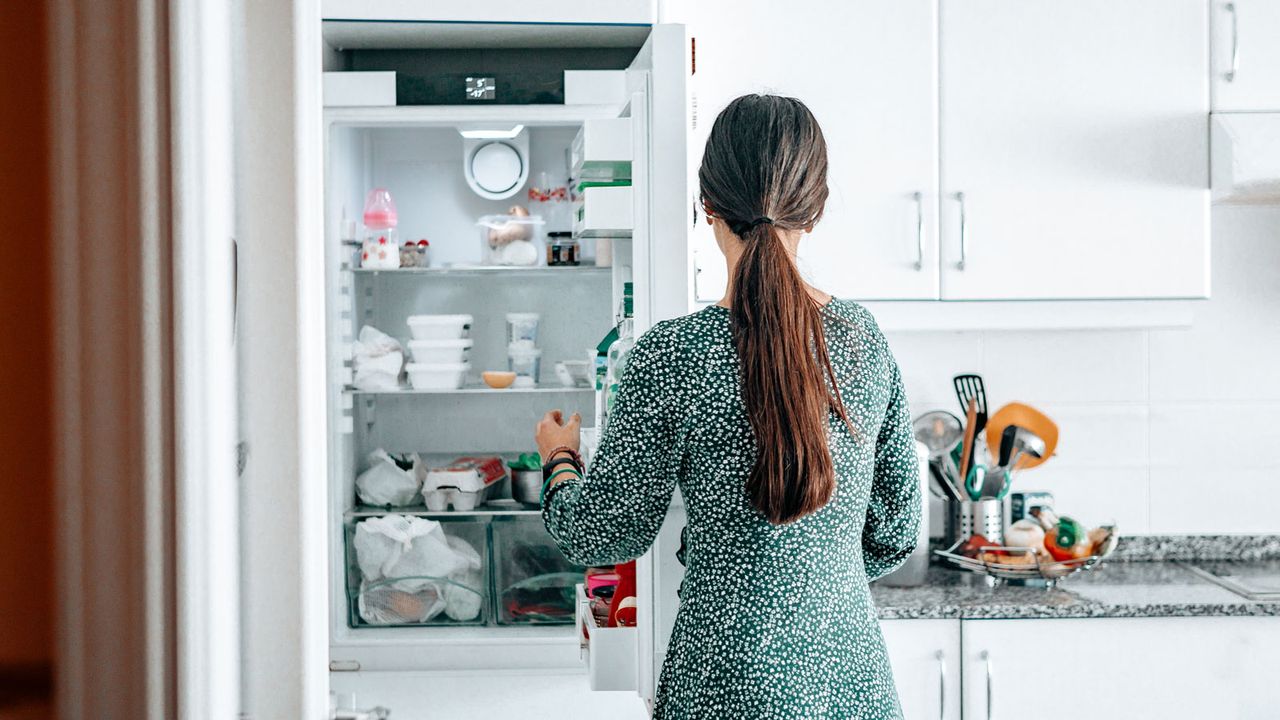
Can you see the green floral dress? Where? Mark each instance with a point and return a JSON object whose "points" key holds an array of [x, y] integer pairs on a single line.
{"points": [[774, 621]]}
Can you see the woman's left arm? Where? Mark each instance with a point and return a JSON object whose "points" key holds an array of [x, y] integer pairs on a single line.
{"points": [[893, 513], [614, 513]]}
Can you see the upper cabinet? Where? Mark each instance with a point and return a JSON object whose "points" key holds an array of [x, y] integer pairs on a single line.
{"points": [[868, 72], [1246, 55], [984, 149], [1074, 149]]}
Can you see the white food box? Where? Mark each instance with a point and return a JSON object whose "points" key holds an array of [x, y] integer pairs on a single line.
{"points": [[604, 212], [595, 87], [602, 149], [360, 89]]}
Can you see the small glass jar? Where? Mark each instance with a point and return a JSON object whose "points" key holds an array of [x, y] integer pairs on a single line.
{"points": [[562, 249]]}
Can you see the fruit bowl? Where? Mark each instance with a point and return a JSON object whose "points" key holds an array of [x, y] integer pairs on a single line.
{"points": [[1024, 563]]}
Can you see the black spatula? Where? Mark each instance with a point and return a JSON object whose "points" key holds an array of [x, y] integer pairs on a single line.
{"points": [[971, 387]]}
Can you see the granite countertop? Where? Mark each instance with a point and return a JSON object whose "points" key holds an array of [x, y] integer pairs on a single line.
{"points": [[1155, 584]]}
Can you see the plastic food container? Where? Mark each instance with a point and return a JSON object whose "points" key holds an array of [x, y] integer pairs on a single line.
{"points": [[403, 594], [523, 328], [524, 360], [470, 474], [534, 581], [575, 373], [512, 240], [440, 327], [443, 499], [441, 351], [437, 376]]}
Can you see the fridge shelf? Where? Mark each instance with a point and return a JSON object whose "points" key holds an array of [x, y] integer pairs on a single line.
{"points": [[473, 390], [545, 271], [488, 510]]}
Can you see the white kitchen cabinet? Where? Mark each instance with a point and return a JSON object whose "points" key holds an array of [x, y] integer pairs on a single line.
{"points": [[925, 655], [868, 72], [1211, 667], [1074, 155], [1246, 55]]}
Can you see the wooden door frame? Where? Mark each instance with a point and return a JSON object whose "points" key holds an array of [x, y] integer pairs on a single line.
{"points": [[144, 402]]}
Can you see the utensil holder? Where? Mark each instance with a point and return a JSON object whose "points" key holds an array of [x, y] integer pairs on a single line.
{"points": [[984, 517]]}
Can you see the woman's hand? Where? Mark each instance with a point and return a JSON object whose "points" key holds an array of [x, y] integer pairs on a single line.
{"points": [[552, 432]]}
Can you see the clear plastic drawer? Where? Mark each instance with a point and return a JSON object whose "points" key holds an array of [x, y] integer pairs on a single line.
{"points": [[533, 582]]}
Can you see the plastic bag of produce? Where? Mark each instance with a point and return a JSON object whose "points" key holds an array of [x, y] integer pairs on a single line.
{"points": [[399, 602], [376, 360], [385, 483]]}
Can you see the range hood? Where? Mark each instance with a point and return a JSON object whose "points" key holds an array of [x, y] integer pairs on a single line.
{"points": [[1246, 158]]}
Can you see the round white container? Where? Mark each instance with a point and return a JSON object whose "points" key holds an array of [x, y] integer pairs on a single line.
{"points": [[441, 351], [437, 376], [523, 327], [440, 327]]}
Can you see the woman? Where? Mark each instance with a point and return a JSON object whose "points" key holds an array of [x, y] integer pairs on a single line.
{"points": [[779, 412]]}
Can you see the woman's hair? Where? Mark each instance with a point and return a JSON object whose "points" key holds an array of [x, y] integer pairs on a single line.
{"points": [[764, 171]]}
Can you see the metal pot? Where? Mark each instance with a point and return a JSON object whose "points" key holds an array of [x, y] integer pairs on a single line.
{"points": [[526, 486]]}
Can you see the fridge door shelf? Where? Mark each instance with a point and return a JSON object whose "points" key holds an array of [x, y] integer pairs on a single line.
{"points": [[604, 212], [609, 653]]}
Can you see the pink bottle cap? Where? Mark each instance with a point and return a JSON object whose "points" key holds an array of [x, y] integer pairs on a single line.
{"points": [[379, 209]]}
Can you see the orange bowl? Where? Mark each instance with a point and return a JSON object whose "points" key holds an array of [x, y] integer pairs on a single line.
{"points": [[498, 379]]}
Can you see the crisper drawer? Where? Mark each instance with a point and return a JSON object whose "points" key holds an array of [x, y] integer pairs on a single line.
{"points": [[610, 653], [533, 582], [407, 571]]}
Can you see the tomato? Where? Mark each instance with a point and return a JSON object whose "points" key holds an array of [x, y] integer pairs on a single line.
{"points": [[974, 545]]}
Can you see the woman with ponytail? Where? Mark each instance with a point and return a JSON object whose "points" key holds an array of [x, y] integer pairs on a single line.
{"points": [[780, 415]]}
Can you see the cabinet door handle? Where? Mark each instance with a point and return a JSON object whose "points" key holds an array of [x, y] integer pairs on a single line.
{"points": [[964, 233], [919, 198], [1230, 74], [986, 658], [942, 685]]}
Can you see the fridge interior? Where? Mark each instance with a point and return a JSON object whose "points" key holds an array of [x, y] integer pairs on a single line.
{"points": [[419, 157]]}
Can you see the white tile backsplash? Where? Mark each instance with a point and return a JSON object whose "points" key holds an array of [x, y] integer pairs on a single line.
{"points": [[1163, 431]]}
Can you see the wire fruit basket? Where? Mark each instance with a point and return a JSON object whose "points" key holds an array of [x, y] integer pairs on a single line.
{"points": [[1022, 563]]}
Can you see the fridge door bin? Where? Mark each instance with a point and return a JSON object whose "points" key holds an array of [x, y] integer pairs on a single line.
{"points": [[533, 582], [609, 653], [605, 211], [412, 572]]}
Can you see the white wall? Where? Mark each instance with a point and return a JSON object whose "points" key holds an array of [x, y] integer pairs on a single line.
{"points": [[1162, 431]]}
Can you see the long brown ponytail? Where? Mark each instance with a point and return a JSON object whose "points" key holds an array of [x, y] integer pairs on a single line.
{"points": [[764, 171]]}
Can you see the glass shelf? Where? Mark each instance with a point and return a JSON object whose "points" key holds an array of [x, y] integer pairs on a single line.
{"points": [[490, 509], [478, 390], [485, 271]]}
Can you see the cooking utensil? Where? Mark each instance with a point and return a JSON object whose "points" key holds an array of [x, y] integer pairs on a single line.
{"points": [[1026, 443], [1030, 420], [975, 482], [970, 434], [971, 387], [1005, 448], [944, 482], [939, 430]]}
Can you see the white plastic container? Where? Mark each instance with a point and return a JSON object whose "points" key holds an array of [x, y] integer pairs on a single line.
{"points": [[440, 327], [524, 360], [437, 376], [441, 351], [512, 240], [523, 327]]}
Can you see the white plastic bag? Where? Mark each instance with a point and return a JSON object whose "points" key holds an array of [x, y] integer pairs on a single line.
{"points": [[384, 483], [398, 603], [463, 603], [376, 360], [420, 565]]}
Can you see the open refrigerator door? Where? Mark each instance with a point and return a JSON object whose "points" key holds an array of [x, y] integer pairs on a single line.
{"points": [[443, 354]]}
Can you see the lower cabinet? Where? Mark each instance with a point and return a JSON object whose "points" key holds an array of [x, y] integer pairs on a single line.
{"points": [[925, 655], [1183, 667]]}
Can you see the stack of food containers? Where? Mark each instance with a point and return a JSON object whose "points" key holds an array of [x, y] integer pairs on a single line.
{"points": [[441, 351], [524, 358]]}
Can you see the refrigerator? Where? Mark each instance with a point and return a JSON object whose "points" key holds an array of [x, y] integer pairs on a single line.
{"points": [[421, 155]]}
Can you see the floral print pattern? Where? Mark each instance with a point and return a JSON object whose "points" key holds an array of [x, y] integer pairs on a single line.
{"points": [[775, 621]]}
